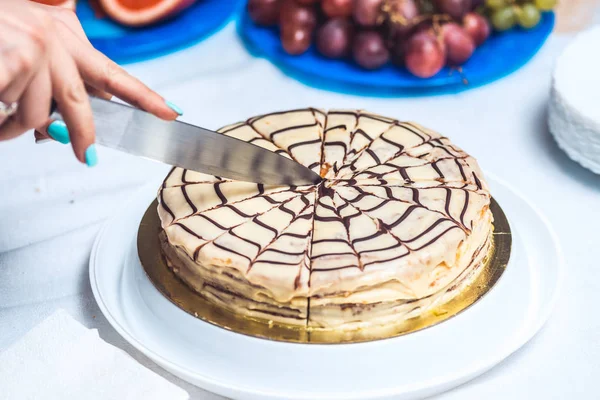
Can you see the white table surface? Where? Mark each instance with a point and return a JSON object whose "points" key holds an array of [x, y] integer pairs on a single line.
{"points": [[51, 207]]}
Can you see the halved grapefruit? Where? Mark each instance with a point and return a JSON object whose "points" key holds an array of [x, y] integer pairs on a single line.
{"points": [[62, 3], [143, 12]]}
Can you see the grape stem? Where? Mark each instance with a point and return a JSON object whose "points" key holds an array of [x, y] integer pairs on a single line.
{"points": [[396, 17], [437, 26]]}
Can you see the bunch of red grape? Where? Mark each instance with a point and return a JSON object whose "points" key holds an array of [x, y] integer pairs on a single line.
{"points": [[422, 35]]}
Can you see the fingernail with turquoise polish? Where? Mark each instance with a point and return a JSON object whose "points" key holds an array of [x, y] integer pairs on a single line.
{"points": [[59, 132], [174, 107], [91, 157]]}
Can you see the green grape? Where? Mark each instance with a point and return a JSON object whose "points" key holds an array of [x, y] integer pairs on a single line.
{"points": [[504, 18], [528, 16], [545, 5], [495, 4]]}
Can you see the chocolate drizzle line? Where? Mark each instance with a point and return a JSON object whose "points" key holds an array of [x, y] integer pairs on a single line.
{"points": [[446, 215], [290, 128], [250, 122], [229, 230], [187, 199], [372, 154], [295, 217]]}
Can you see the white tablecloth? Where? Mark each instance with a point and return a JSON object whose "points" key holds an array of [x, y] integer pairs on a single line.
{"points": [[51, 207]]}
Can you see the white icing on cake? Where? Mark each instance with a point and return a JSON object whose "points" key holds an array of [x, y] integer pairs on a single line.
{"points": [[400, 223]]}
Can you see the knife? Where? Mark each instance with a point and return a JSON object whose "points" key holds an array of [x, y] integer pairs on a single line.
{"points": [[177, 143]]}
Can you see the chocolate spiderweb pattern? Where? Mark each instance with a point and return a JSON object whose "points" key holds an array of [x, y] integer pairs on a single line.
{"points": [[400, 219]]}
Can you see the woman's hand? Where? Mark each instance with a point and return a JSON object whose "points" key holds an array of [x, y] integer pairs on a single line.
{"points": [[45, 55]]}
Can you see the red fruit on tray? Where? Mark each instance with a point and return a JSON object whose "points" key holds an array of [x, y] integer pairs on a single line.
{"points": [[295, 41], [294, 15], [369, 50], [425, 54], [140, 13], [455, 8], [401, 14], [337, 8], [334, 38], [367, 12], [264, 12], [477, 27], [459, 45]]}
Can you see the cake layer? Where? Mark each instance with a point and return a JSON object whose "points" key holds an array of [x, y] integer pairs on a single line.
{"points": [[381, 305], [228, 289], [401, 218]]}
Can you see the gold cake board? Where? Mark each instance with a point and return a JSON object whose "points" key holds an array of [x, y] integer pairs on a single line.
{"points": [[193, 303]]}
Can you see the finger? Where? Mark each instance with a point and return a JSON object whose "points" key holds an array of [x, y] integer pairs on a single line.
{"points": [[92, 91], [100, 72], [72, 100], [18, 63], [34, 105], [8, 74], [16, 69], [70, 20], [20, 57], [35, 102]]}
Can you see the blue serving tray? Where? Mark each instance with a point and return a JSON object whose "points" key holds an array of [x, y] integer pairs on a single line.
{"points": [[125, 44], [502, 54]]}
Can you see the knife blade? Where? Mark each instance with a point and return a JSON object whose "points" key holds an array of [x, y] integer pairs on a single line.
{"points": [[125, 128]]}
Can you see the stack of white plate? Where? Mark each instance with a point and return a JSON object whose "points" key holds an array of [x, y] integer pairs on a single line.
{"points": [[574, 111]]}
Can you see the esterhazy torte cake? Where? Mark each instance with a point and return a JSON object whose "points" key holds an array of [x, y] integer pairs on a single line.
{"points": [[400, 223]]}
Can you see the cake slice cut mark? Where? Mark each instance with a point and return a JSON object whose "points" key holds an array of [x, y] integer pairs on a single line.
{"points": [[247, 133], [455, 204], [355, 115], [442, 170], [392, 143], [356, 224], [368, 128], [340, 126], [161, 201], [273, 260], [477, 181], [295, 217], [367, 237], [416, 187], [181, 177], [383, 153], [392, 221], [206, 228], [330, 235], [233, 192], [298, 132], [235, 240], [346, 220], [386, 195], [323, 170]]}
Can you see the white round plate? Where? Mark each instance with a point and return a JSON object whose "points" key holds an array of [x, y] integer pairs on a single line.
{"points": [[407, 367]]}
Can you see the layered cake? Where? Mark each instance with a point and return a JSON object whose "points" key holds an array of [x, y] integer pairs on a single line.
{"points": [[400, 223]]}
